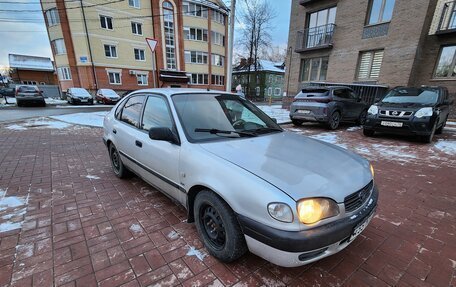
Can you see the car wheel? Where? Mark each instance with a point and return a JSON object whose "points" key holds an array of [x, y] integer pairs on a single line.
{"points": [[117, 166], [217, 226], [334, 120], [296, 122], [428, 138], [440, 130], [362, 118], [19, 104], [368, 133], [43, 104]]}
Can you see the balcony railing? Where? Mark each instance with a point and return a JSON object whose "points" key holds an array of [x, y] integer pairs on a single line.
{"points": [[447, 23], [319, 37]]}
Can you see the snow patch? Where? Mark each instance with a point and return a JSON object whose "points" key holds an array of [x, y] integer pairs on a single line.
{"points": [[453, 263], [192, 251], [39, 123], [87, 119], [173, 235], [353, 129], [276, 112], [437, 214], [92, 176], [446, 146], [16, 128], [8, 226], [135, 228], [326, 137]]}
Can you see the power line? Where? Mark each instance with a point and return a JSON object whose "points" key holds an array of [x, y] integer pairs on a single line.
{"points": [[31, 3], [66, 8]]}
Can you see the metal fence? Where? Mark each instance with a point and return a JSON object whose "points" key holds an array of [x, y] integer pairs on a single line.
{"points": [[315, 37]]}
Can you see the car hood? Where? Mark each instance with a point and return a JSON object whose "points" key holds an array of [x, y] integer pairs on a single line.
{"points": [[298, 165]]}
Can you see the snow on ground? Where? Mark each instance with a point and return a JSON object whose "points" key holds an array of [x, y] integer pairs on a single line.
{"points": [[87, 119], [82, 106], [354, 129], [276, 111], [12, 208], [38, 123], [49, 101], [446, 146], [192, 251]]}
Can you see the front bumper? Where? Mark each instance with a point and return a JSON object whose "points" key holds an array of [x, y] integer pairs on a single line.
{"points": [[411, 126], [79, 101], [296, 248]]}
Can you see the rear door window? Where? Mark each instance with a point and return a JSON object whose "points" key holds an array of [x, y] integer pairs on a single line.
{"points": [[341, 93], [131, 111]]}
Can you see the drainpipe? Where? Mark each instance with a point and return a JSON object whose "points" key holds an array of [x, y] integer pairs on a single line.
{"points": [[88, 44], [290, 51]]}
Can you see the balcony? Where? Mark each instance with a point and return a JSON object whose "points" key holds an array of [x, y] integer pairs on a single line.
{"points": [[305, 2], [447, 23], [320, 37]]}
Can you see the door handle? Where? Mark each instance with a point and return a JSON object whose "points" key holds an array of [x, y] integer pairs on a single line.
{"points": [[138, 143], [114, 131]]}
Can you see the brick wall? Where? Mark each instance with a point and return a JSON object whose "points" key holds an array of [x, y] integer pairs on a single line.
{"points": [[49, 78]]}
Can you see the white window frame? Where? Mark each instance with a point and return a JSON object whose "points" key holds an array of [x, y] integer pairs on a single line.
{"points": [[218, 80], [104, 19], [52, 16], [64, 73], [270, 91], [218, 17], [141, 52], [218, 38], [188, 35], [221, 58], [114, 73], [257, 91], [134, 3], [191, 9], [111, 46], [277, 92], [59, 46], [201, 79], [142, 77], [198, 55], [134, 30]]}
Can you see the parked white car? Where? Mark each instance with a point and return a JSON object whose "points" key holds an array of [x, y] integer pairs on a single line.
{"points": [[79, 96], [246, 183]]}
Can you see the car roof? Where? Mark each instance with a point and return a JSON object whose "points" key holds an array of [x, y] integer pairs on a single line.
{"points": [[324, 87], [168, 92]]}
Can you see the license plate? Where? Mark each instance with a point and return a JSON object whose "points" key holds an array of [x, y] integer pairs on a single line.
{"points": [[361, 226], [391, 124], [84, 101], [303, 111]]}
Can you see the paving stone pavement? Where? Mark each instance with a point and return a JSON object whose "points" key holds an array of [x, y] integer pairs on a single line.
{"points": [[71, 222]]}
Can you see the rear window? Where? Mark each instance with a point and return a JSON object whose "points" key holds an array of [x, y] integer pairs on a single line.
{"points": [[305, 93], [25, 89]]}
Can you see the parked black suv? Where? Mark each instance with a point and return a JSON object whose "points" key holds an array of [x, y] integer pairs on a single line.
{"points": [[329, 105], [410, 111]]}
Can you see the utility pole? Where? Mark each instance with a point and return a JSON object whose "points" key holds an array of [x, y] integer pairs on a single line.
{"points": [[229, 68], [88, 44]]}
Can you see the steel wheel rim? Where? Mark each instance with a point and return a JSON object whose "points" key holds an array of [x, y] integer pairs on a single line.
{"points": [[115, 160], [212, 226]]}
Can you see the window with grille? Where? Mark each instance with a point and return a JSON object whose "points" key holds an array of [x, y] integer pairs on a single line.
{"points": [[369, 65]]}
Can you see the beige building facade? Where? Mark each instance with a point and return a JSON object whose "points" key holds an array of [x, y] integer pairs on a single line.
{"points": [[103, 43]]}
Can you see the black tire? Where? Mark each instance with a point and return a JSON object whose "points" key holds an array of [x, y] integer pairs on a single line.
{"points": [[18, 103], [334, 120], [440, 130], [43, 104], [218, 227], [118, 167], [368, 133], [428, 138], [296, 122], [362, 118]]}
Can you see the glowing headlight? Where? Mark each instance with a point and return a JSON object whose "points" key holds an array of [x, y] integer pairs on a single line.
{"points": [[372, 171], [424, 112], [373, 110], [316, 209], [280, 211]]}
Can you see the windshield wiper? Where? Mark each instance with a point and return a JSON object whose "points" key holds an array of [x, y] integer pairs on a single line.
{"points": [[217, 132], [265, 130]]}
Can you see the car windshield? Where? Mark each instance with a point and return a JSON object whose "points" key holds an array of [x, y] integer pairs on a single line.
{"points": [[25, 89], [418, 96], [207, 117], [79, 92], [108, 92]]}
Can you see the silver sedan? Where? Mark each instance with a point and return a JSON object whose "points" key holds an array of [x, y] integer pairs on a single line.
{"points": [[246, 183]]}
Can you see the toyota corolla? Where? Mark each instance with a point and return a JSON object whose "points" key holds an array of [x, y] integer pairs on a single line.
{"points": [[246, 183]]}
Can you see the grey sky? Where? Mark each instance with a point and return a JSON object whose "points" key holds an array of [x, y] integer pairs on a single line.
{"points": [[25, 32]]}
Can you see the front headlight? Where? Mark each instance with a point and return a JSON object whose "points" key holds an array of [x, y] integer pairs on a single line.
{"points": [[424, 112], [373, 110], [280, 211], [315, 209]]}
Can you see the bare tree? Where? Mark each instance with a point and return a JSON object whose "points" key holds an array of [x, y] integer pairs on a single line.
{"points": [[255, 36], [275, 54]]}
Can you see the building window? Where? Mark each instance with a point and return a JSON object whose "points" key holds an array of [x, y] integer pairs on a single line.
{"points": [[59, 46], [140, 54], [193, 9], [218, 80], [218, 60], [141, 79], [257, 91], [29, 82], [170, 41], [115, 78], [218, 17], [380, 11], [134, 3], [195, 34], [217, 38], [64, 73], [270, 91], [136, 28], [320, 27], [277, 92], [199, 79], [313, 69], [369, 65], [52, 16], [106, 22], [446, 63], [196, 57], [110, 51]]}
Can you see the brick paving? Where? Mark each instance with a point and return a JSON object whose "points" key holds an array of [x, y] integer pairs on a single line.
{"points": [[78, 225]]}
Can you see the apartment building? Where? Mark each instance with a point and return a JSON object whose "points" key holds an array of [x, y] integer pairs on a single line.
{"points": [[386, 42], [103, 43]]}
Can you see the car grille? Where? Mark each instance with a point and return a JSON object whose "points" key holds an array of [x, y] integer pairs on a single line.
{"points": [[357, 199], [395, 114]]}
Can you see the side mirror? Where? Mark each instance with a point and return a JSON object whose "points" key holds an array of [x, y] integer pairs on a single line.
{"points": [[163, 134]]}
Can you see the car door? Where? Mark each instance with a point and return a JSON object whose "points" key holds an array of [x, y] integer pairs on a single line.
{"points": [[358, 104], [341, 96], [126, 130], [159, 159]]}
